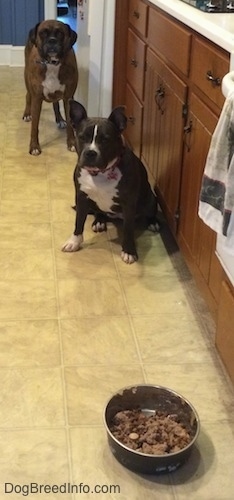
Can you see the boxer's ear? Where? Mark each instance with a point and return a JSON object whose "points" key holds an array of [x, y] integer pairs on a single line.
{"points": [[33, 34], [118, 117], [72, 36], [77, 113]]}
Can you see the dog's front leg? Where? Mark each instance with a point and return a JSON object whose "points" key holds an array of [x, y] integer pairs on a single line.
{"points": [[129, 253], [70, 131], [76, 239], [36, 104]]}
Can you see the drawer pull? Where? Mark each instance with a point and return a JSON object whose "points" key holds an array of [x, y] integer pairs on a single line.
{"points": [[132, 120], [215, 81], [159, 96], [134, 63], [187, 132], [136, 14]]}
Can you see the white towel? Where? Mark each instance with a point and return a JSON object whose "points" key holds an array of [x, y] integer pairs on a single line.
{"points": [[216, 205]]}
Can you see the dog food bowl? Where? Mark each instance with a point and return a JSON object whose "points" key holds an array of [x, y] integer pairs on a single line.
{"points": [[148, 399]]}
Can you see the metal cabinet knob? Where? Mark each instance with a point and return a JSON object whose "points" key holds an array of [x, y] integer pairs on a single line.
{"points": [[216, 81], [136, 14], [134, 62]]}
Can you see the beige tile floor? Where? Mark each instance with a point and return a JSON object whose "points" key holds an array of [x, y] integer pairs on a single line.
{"points": [[74, 328]]}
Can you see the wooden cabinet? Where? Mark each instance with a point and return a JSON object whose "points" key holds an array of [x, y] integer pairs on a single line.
{"points": [[163, 123], [135, 73], [225, 330], [170, 81]]}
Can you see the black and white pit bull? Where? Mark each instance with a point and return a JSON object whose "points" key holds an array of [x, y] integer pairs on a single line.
{"points": [[109, 180]]}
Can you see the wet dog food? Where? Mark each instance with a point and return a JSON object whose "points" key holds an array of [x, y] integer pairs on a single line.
{"points": [[157, 434]]}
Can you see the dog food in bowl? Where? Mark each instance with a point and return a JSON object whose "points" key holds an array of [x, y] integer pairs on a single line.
{"points": [[156, 434], [150, 429]]}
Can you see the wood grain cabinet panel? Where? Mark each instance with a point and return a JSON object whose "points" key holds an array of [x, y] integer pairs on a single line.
{"points": [[134, 111], [163, 122], [208, 67], [170, 39], [137, 15], [136, 63]]}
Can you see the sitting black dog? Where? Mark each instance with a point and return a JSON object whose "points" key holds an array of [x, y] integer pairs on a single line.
{"points": [[109, 179]]}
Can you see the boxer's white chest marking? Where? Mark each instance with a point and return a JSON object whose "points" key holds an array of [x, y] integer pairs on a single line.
{"points": [[51, 84], [101, 188]]}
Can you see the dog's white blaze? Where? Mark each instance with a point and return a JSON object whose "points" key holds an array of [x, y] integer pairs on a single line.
{"points": [[51, 83], [100, 188], [93, 143]]}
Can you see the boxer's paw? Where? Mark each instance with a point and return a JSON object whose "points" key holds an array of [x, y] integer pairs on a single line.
{"points": [[73, 244], [128, 258], [35, 150], [27, 118]]}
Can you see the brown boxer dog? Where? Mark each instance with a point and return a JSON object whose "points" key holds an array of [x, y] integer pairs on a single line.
{"points": [[51, 74]]}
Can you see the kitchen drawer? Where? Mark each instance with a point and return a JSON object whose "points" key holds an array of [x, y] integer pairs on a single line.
{"points": [[134, 113], [209, 62], [170, 39], [137, 15], [136, 63]]}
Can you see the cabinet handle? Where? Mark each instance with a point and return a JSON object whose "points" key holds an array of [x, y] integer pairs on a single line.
{"points": [[136, 14], [159, 96], [132, 120], [187, 132], [134, 62], [216, 82]]}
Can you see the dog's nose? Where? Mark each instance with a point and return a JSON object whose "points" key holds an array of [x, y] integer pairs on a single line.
{"points": [[90, 154]]}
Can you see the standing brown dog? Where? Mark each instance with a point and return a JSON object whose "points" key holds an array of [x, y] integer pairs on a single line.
{"points": [[51, 74]]}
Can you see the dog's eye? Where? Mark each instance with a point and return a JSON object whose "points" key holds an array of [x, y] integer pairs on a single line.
{"points": [[103, 138], [84, 137], [44, 33]]}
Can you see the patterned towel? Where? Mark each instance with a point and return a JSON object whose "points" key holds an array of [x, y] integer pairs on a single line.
{"points": [[216, 206]]}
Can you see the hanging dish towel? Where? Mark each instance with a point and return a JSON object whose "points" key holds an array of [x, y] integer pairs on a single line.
{"points": [[216, 205]]}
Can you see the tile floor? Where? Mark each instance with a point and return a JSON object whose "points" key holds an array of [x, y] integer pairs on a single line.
{"points": [[74, 328]]}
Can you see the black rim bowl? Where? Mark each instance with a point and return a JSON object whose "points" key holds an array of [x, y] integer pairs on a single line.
{"points": [[150, 397]]}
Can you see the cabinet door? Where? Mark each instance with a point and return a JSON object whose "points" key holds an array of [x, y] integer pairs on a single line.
{"points": [[163, 122], [195, 238], [134, 115]]}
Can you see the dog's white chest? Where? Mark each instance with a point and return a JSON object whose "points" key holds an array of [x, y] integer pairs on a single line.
{"points": [[51, 84], [101, 188]]}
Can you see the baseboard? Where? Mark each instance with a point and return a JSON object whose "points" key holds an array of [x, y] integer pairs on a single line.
{"points": [[11, 56]]}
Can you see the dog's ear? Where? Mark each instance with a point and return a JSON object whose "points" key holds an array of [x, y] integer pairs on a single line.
{"points": [[33, 34], [77, 113], [72, 36], [118, 117]]}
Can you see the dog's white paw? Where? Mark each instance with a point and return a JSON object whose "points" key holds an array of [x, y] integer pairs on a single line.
{"points": [[99, 227], [128, 258], [72, 148], [35, 152], [62, 124], [154, 228], [73, 244], [27, 118]]}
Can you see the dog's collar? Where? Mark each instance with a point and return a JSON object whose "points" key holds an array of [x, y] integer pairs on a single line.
{"points": [[44, 62], [109, 168]]}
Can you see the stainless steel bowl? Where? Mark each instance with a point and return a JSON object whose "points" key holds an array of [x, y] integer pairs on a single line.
{"points": [[150, 398]]}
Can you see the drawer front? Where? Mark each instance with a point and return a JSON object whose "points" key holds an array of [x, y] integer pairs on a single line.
{"points": [[136, 63], [209, 65], [134, 113], [137, 15], [170, 39]]}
